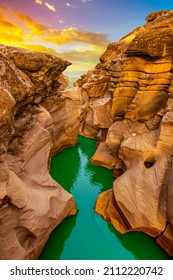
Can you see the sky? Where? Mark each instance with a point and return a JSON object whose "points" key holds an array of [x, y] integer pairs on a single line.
{"points": [[76, 30]]}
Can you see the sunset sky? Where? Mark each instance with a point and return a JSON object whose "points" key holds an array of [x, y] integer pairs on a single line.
{"points": [[76, 30]]}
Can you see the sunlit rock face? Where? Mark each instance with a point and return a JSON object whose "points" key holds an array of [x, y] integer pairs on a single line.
{"points": [[32, 204], [128, 107]]}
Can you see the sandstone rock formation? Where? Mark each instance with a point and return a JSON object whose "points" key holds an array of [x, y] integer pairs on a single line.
{"points": [[128, 106], [36, 119], [125, 102]]}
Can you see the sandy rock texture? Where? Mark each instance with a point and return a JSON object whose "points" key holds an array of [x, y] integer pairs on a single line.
{"points": [[128, 107], [34, 114]]}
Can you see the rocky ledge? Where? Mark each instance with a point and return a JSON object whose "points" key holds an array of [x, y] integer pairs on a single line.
{"points": [[36, 120], [128, 106]]}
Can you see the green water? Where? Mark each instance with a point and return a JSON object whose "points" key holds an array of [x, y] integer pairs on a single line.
{"points": [[87, 236]]}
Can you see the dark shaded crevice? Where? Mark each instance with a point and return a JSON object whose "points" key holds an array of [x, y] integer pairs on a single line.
{"points": [[6, 201], [162, 232], [148, 164], [126, 223]]}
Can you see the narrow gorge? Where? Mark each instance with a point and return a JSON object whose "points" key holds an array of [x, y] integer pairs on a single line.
{"points": [[125, 103]]}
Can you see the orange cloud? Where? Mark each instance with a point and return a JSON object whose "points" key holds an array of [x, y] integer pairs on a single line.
{"points": [[9, 32], [75, 35], [50, 7], [59, 37], [34, 28], [39, 2], [84, 52]]}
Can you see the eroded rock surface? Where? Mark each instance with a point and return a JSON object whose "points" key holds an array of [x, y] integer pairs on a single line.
{"points": [[128, 107], [35, 121], [125, 102]]}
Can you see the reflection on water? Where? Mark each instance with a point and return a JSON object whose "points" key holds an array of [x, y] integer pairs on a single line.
{"points": [[87, 236]]}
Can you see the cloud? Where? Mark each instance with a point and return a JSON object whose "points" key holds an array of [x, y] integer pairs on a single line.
{"points": [[39, 48], [50, 7], [83, 48], [10, 32], [93, 38], [59, 37], [69, 5], [39, 2], [73, 34], [86, 56], [85, 1], [35, 28], [82, 59]]}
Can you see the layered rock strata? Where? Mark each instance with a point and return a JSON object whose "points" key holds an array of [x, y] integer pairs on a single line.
{"points": [[128, 106], [35, 121]]}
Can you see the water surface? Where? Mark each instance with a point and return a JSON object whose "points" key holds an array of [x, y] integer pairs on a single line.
{"points": [[87, 236]]}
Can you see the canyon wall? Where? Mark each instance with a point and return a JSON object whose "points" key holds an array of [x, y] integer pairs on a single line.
{"points": [[36, 120], [127, 104]]}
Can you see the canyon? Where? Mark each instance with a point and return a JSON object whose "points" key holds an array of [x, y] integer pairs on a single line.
{"points": [[125, 102]]}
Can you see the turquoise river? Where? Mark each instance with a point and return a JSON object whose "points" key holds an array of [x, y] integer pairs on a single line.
{"points": [[87, 236]]}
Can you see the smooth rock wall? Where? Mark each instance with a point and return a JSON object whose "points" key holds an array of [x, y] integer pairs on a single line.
{"points": [[32, 204], [128, 107]]}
